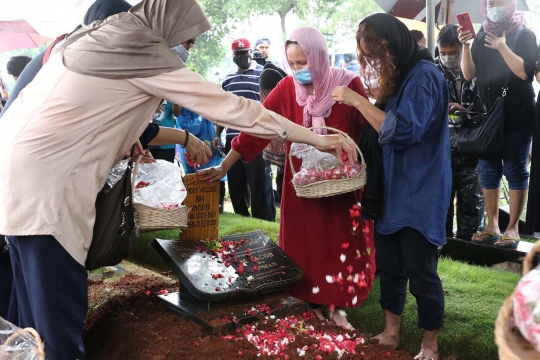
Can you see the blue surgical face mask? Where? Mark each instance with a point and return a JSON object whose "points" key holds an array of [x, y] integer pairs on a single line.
{"points": [[303, 76], [496, 13], [181, 51]]}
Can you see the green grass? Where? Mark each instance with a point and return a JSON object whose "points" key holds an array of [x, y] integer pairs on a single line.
{"points": [[473, 297]]}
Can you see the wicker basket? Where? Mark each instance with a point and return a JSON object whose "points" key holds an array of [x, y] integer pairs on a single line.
{"points": [[40, 353], [512, 345], [327, 188], [152, 219]]}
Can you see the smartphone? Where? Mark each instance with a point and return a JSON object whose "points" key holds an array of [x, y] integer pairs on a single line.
{"points": [[464, 20]]}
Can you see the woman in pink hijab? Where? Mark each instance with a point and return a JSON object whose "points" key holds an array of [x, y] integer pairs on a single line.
{"points": [[316, 233]]}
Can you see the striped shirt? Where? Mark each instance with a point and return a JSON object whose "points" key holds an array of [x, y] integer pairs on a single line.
{"points": [[244, 84]]}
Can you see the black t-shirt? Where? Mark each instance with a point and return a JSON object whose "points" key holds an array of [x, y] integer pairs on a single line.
{"points": [[491, 70]]}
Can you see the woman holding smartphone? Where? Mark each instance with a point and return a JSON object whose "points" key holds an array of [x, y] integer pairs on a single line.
{"points": [[504, 45]]}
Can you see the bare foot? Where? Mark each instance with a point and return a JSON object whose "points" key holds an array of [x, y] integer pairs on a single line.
{"points": [[387, 338], [427, 354], [319, 313], [340, 318]]}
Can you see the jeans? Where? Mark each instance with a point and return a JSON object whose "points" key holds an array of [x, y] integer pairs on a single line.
{"points": [[512, 163]]}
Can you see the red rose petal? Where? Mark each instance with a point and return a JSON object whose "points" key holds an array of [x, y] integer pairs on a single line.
{"points": [[147, 292], [345, 245], [197, 343]]}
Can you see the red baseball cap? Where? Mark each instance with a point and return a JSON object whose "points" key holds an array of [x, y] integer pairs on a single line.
{"points": [[241, 44]]}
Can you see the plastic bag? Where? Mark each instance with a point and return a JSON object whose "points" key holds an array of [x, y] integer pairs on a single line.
{"points": [[116, 173], [527, 307], [17, 344], [321, 166], [159, 185]]}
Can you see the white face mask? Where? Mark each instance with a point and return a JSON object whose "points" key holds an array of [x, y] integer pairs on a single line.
{"points": [[451, 61], [181, 51], [496, 13]]}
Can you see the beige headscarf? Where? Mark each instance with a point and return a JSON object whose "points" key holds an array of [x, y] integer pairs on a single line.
{"points": [[135, 44]]}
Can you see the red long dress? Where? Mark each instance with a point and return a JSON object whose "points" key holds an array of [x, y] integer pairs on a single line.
{"points": [[314, 232]]}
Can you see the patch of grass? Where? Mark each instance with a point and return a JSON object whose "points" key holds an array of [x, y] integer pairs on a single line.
{"points": [[473, 296]]}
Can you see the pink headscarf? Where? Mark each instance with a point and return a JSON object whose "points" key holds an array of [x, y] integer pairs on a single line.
{"points": [[319, 105], [513, 21]]}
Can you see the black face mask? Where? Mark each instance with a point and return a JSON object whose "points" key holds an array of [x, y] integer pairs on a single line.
{"points": [[243, 62]]}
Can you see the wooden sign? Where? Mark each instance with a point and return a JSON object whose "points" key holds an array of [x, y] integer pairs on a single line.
{"points": [[203, 202]]}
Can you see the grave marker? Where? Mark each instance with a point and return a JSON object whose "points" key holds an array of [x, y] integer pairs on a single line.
{"points": [[203, 202]]}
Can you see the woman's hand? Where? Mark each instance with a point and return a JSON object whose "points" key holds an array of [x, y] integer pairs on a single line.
{"points": [[335, 145], [215, 173], [197, 150], [146, 156], [465, 37], [456, 107], [344, 95], [495, 42]]}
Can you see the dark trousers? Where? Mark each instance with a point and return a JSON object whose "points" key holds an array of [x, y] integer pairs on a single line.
{"points": [[52, 294], [248, 184], [279, 184], [6, 283], [467, 190], [163, 154], [407, 256]]}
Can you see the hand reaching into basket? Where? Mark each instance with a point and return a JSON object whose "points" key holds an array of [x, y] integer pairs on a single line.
{"points": [[336, 145]]}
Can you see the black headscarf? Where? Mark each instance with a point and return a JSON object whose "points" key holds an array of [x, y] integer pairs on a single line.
{"points": [[271, 76], [406, 54], [400, 43], [102, 9]]}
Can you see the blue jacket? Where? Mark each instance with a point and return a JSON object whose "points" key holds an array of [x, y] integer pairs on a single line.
{"points": [[416, 156], [204, 130]]}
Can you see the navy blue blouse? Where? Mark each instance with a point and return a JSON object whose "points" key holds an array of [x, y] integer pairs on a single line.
{"points": [[416, 156]]}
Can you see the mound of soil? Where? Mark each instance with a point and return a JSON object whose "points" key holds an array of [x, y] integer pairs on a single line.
{"points": [[127, 321]]}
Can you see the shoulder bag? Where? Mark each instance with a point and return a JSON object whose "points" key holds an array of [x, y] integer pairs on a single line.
{"points": [[115, 223]]}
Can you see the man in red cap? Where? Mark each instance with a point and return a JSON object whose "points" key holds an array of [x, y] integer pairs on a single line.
{"points": [[248, 182]]}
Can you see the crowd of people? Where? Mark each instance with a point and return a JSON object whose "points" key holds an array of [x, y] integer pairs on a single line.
{"points": [[79, 106]]}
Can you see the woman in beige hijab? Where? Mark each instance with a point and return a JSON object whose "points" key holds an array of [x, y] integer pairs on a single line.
{"points": [[67, 129]]}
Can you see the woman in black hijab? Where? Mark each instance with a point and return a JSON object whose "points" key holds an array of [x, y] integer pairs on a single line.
{"points": [[411, 118]]}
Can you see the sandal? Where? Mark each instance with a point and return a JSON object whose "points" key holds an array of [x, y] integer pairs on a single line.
{"points": [[512, 245], [491, 237]]}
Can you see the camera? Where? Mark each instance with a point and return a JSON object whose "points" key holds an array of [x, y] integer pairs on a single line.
{"points": [[258, 57]]}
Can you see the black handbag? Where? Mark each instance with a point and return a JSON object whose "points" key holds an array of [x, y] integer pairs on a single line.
{"points": [[115, 223], [482, 133]]}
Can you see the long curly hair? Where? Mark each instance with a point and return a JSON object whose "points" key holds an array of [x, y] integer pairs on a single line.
{"points": [[378, 63]]}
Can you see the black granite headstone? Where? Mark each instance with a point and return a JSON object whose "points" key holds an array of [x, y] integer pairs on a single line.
{"points": [[207, 276]]}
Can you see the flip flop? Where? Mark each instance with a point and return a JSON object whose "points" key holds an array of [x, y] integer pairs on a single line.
{"points": [[491, 239], [508, 246]]}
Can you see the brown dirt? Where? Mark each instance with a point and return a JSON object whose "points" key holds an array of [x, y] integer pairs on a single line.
{"points": [[125, 323]]}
